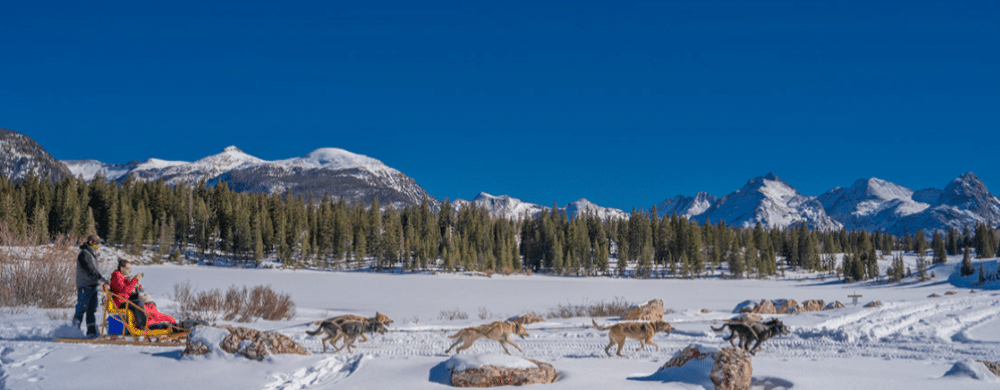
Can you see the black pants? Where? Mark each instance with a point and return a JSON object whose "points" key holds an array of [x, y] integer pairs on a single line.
{"points": [[139, 315]]}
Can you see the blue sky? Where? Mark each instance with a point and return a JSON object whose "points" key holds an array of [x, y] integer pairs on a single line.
{"points": [[547, 101]]}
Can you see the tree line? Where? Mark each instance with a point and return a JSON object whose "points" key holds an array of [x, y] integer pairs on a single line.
{"points": [[207, 223]]}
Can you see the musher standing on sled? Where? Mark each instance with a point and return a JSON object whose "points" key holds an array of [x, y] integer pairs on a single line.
{"points": [[87, 279]]}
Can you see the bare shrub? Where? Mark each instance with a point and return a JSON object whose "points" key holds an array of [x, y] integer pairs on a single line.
{"points": [[484, 313], [615, 308], [452, 315], [237, 304], [38, 276]]}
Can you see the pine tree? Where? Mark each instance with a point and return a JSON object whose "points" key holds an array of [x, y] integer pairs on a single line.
{"points": [[940, 253], [967, 268], [735, 261]]}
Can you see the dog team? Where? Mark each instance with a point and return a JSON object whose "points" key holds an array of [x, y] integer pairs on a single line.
{"points": [[350, 327]]}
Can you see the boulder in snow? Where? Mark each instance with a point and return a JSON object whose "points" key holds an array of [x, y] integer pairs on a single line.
{"points": [[235, 340], [975, 369], [651, 311], [834, 305], [491, 370], [874, 304], [809, 305], [994, 367], [710, 367]]}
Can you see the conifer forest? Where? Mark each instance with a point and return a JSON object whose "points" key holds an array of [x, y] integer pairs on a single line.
{"points": [[202, 223]]}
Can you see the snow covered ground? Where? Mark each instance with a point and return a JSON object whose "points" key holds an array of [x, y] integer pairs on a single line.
{"points": [[910, 342]]}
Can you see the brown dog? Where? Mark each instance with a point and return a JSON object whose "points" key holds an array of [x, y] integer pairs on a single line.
{"points": [[642, 331], [499, 331]]}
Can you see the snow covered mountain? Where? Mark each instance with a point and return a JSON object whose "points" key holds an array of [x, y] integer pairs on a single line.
{"points": [[585, 207], [686, 206], [334, 171], [504, 206], [964, 202], [19, 155], [770, 201], [869, 204]]}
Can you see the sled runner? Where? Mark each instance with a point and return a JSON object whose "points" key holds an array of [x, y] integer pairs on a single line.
{"points": [[170, 335]]}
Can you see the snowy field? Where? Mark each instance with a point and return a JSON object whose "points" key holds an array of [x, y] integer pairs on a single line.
{"points": [[910, 342]]}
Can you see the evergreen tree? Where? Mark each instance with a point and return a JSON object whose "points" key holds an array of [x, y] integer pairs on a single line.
{"points": [[940, 253], [967, 268]]}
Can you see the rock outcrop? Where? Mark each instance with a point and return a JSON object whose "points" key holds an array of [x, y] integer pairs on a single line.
{"points": [[874, 304], [651, 311], [251, 343]]}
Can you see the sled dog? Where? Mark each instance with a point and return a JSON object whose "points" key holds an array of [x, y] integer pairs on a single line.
{"points": [[385, 320], [642, 331], [348, 330], [499, 331], [758, 332]]}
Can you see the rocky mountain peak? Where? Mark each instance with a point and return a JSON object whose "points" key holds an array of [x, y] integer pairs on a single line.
{"points": [[21, 155]]}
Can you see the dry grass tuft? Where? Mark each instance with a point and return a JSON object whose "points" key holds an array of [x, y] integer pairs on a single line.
{"points": [[452, 315]]}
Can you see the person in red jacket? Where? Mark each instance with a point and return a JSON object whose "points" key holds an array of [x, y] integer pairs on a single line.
{"points": [[123, 286]]}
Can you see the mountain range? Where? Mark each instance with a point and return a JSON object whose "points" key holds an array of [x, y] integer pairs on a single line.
{"points": [[869, 204]]}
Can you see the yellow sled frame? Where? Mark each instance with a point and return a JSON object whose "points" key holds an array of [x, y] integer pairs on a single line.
{"points": [[170, 335]]}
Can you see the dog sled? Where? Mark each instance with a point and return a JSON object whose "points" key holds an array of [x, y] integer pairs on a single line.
{"points": [[131, 334]]}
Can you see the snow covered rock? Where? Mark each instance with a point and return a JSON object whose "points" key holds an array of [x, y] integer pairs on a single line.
{"points": [[235, 340], [764, 307], [994, 367], [733, 369], [783, 306], [710, 367], [873, 304], [491, 370], [834, 305], [651, 311], [809, 305], [986, 371]]}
